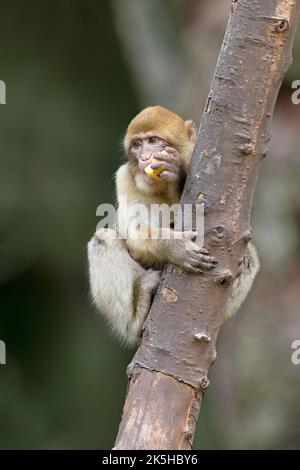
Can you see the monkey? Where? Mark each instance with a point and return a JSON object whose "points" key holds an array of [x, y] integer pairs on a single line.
{"points": [[121, 287], [125, 263]]}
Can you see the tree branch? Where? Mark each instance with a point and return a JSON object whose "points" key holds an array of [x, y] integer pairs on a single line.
{"points": [[168, 374]]}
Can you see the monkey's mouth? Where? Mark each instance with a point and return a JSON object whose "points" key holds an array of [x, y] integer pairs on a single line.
{"points": [[144, 164], [150, 180]]}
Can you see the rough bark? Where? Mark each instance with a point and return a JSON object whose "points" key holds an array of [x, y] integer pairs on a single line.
{"points": [[169, 372]]}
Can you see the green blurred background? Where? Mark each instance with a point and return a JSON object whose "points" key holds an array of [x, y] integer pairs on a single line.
{"points": [[76, 72]]}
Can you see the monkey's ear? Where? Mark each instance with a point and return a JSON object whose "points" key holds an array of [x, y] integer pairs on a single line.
{"points": [[191, 130]]}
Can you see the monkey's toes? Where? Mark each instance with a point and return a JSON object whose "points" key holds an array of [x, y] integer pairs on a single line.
{"points": [[209, 262]]}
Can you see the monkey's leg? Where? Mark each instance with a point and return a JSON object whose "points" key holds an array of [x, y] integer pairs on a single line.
{"points": [[144, 288], [121, 288], [243, 282]]}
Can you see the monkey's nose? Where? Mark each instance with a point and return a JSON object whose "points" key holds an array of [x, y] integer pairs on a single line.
{"points": [[146, 156]]}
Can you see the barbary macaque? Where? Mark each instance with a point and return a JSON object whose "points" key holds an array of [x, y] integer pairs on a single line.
{"points": [[125, 263]]}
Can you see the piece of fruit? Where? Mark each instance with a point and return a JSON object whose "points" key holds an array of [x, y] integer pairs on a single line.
{"points": [[154, 174]]}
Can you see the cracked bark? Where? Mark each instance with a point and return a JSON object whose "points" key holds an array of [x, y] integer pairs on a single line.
{"points": [[169, 372]]}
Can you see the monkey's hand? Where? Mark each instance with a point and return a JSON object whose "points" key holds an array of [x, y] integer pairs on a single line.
{"points": [[170, 165], [186, 254]]}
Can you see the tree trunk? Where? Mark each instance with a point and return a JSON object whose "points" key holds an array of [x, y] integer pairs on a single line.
{"points": [[168, 374]]}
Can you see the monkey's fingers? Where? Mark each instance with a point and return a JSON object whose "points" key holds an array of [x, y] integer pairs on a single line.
{"points": [[195, 263], [201, 261], [166, 157], [172, 151], [169, 176], [167, 166], [191, 269], [205, 258]]}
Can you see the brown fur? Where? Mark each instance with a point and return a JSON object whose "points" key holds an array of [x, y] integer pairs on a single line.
{"points": [[165, 124]]}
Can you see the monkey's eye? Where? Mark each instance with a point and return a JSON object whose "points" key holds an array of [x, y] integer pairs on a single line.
{"points": [[136, 144], [153, 139]]}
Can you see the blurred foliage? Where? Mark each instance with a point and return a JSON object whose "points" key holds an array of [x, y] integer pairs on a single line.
{"points": [[72, 87]]}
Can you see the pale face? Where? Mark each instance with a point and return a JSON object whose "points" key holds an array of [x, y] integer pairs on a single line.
{"points": [[142, 149], [146, 148]]}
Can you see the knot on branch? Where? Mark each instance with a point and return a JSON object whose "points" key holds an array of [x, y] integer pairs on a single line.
{"points": [[282, 25], [225, 278], [201, 198], [202, 338], [220, 232], [246, 149], [204, 383], [218, 235], [169, 294], [247, 235], [245, 136], [188, 434]]}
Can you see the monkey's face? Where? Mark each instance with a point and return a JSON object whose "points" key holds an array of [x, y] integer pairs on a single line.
{"points": [[159, 145], [143, 150]]}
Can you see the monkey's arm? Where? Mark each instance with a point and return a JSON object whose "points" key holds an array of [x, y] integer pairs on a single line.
{"points": [[168, 246], [152, 246], [149, 244]]}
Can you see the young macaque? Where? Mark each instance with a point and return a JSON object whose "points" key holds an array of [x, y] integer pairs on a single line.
{"points": [[125, 264]]}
